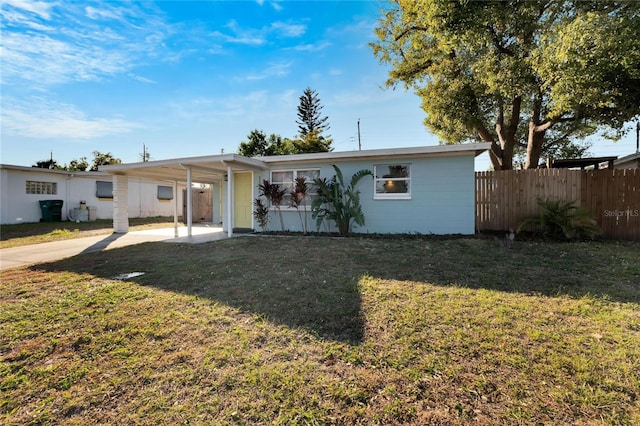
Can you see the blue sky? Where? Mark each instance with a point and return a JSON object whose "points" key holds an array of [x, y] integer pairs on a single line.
{"points": [[194, 78]]}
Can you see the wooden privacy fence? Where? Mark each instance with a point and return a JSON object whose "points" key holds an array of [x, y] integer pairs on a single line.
{"points": [[504, 198]]}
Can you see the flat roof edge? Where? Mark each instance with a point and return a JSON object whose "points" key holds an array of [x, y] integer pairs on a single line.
{"points": [[186, 161], [476, 148]]}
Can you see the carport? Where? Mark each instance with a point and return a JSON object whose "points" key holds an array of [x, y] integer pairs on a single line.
{"points": [[214, 169]]}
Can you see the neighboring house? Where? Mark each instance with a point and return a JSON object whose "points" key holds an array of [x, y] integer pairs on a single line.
{"points": [[426, 190], [22, 188], [628, 162]]}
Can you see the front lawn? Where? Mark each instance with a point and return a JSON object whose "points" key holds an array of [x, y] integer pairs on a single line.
{"points": [[320, 330]]}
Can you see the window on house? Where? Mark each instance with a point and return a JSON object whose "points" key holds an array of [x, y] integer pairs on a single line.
{"points": [[37, 187], [104, 189], [392, 181], [286, 179], [165, 192]]}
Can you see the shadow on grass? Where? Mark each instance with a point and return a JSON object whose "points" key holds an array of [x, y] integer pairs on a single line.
{"points": [[280, 284], [312, 282]]}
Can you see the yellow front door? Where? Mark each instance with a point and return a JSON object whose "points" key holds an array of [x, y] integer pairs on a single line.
{"points": [[242, 200]]}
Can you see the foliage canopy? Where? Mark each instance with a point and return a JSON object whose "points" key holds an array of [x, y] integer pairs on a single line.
{"points": [[81, 164], [520, 74]]}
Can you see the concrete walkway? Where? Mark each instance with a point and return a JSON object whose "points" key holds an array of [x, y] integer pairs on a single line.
{"points": [[56, 250]]}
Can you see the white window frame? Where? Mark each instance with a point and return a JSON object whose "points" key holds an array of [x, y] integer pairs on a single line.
{"points": [[384, 167], [310, 195], [41, 188]]}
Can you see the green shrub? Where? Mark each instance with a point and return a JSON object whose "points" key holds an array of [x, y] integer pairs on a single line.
{"points": [[562, 220], [261, 213], [339, 203]]}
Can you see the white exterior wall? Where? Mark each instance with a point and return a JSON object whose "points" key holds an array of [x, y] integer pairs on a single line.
{"points": [[20, 207], [16, 206], [442, 196]]}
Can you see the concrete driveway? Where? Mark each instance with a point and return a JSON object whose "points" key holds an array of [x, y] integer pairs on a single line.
{"points": [[56, 250]]}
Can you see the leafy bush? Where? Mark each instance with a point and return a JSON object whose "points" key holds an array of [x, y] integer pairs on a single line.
{"points": [[338, 203], [275, 195], [261, 213], [298, 200], [562, 220]]}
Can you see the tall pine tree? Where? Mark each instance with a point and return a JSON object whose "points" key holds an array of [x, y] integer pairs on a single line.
{"points": [[309, 114]]}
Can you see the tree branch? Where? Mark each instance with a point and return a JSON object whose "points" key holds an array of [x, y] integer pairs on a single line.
{"points": [[496, 42], [408, 30], [500, 123], [546, 124]]}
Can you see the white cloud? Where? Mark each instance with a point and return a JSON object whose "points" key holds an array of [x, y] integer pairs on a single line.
{"points": [[71, 47], [312, 47], [40, 8], [43, 60], [289, 30], [279, 69], [237, 108], [247, 36], [95, 13], [258, 36], [42, 119], [142, 79], [242, 38]]}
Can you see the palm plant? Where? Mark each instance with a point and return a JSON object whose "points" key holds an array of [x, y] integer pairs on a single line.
{"points": [[339, 203], [562, 219]]}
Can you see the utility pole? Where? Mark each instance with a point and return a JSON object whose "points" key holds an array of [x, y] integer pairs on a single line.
{"points": [[145, 154], [637, 136], [359, 143]]}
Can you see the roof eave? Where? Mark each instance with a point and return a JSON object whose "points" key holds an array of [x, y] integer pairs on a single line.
{"points": [[422, 151]]}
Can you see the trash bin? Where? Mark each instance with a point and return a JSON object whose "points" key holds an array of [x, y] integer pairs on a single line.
{"points": [[51, 210]]}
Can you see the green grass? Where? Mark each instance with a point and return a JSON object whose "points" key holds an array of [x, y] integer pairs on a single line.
{"points": [[43, 232], [295, 330]]}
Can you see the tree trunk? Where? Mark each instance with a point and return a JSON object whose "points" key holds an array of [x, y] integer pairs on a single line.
{"points": [[501, 159], [502, 155], [537, 132], [534, 146]]}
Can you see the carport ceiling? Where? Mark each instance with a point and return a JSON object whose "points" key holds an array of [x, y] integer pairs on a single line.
{"points": [[208, 169]]}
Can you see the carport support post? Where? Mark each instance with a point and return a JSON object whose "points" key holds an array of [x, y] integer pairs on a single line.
{"points": [[120, 204], [229, 201], [175, 208], [189, 202]]}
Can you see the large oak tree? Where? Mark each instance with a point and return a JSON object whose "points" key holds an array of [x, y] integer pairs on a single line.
{"points": [[521, 74]]}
